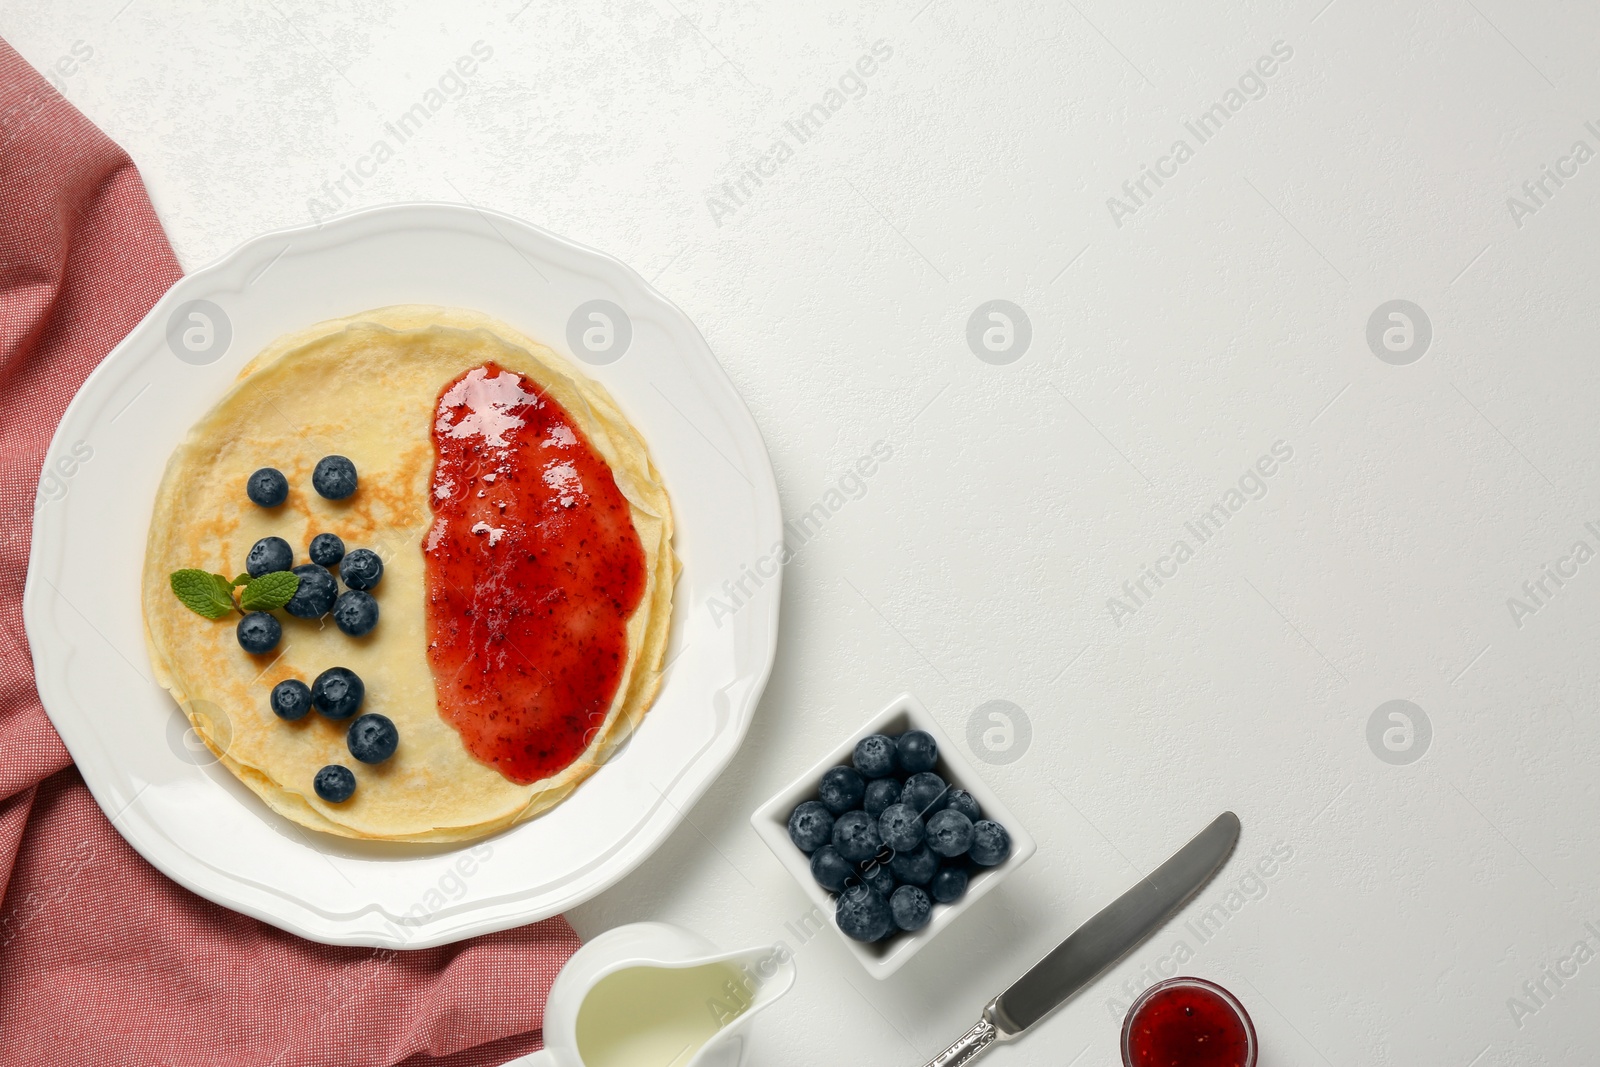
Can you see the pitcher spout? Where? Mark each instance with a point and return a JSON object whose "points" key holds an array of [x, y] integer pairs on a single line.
{"points": [[760, 976], [767, 973]]}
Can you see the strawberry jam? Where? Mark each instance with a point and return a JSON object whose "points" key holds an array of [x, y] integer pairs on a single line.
{"points": [[1188, 1022], [532, 570]]}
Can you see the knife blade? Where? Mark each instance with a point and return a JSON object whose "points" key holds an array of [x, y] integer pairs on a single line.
{"points": [[1098, 944]]}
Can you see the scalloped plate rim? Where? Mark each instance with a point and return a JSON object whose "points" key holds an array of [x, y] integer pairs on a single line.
{"points": [[51, 651]]}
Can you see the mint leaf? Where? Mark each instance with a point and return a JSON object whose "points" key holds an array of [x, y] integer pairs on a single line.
{"points": [[243, 579], [204, 594], [270, 591]]}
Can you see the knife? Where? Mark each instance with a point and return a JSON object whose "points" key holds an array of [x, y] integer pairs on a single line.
{"points": [[1095, 946]]}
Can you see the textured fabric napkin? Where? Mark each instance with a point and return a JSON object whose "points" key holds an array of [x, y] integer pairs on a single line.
{"points": [[102, 959]]}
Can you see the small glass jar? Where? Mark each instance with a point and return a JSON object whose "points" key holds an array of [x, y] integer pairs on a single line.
{"points": [[1188, 1022]]}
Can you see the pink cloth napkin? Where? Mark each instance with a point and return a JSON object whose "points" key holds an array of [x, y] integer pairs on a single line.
{"points": [[102, 959]]}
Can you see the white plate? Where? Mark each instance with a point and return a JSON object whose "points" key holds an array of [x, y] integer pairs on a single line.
{"points": [[162, 790]]}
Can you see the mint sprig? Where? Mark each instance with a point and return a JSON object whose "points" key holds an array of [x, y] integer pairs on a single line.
{"points": [[269, 592], [203, 593], [211, 595]]}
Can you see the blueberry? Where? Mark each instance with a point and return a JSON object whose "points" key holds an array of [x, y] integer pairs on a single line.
{"points": [[361, 569], [337, 692], [291, 699], [925, 792], [900, 827], [915, 867], [910, 908], [326, 549], [267, 487], [863, 914], [990, 843], [355, 612], [874, 756], [268, 555], [855, 836], [334, 477], [830, 869], [881, 792], [811, 826], [314, 598], [949, 885], [841, 789], [949, 833], [334, 783], [918, 751], [878, 879], [965, 803], [372, 738], [258, 632]]}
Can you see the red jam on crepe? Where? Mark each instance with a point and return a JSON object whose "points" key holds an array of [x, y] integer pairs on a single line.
{"points": [[533, 569]]}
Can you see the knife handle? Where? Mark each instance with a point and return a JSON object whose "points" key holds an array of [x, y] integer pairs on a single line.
{"points": [[968, 1046]]}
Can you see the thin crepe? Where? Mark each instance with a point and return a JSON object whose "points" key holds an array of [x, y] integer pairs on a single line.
{"points": [[366, 387]]}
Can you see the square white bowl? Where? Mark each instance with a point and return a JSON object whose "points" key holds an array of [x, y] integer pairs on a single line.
{"points": [[771, 821]]}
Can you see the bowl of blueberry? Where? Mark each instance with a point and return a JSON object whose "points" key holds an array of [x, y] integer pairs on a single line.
{"points": [[893, 835]]}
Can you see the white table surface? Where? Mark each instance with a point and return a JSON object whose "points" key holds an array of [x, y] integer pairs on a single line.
{"points": [[1172, 347]]}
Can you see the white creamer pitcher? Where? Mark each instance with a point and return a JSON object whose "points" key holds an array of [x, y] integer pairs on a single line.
{"points": [[653, 995]]}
